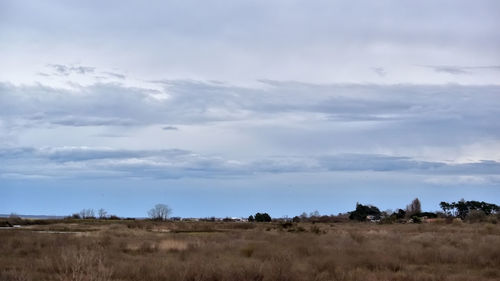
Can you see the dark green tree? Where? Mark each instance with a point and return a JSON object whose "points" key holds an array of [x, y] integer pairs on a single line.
{"points": [[400, 214], [446, 207], [264, 217], [462, 208], [362, 211]]}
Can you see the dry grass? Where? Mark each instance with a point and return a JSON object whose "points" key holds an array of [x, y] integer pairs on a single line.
{"points": [[244, 251]]}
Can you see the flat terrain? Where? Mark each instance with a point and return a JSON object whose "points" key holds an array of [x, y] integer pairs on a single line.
{"points": [[141, 250]]}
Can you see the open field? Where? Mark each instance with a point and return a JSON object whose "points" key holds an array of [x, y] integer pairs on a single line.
{"points": [[142, 250]]}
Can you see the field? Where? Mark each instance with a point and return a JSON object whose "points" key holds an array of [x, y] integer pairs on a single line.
{"points": [[144, 250]]}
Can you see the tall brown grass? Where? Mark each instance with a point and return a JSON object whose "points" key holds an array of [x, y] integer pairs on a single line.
{"points": [[245, 251]]}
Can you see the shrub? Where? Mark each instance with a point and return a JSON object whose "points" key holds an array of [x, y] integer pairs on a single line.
{"points": [[429, 215], [15, 219], [389, 220], [75, 216], [315, 229], [286, 224], [476, 216], [416, 219]]}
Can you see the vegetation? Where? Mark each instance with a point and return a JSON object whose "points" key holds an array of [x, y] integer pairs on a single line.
{"points": [[414, 209], [87, 214], [126, 250], [462, 208], [160, 212], [264, 217], [460, 244], [473, 211], [363, 211], [102, 214]]}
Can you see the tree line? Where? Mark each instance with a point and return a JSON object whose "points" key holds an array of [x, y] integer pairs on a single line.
{"points": [[464, 208], [412, 212]]}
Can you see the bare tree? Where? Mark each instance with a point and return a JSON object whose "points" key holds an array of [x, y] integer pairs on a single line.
{"points": [[160, 212], [102, 213], [87, 213], [414, 208], [303, 216], [314, 214]]}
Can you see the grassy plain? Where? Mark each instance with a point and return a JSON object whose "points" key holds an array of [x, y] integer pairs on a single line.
{"points": [[142, 250]]}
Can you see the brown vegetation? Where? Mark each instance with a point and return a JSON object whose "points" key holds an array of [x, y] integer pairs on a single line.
{"points": [[145, 250]]}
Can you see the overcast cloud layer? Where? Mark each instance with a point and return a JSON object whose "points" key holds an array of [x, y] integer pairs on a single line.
{"points": [[195, 94]]}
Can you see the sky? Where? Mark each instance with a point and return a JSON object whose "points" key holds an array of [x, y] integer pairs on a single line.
{"points": [[228, 108]]}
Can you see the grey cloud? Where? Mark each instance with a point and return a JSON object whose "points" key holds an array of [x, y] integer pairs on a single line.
{"points": [[65, 70], [114, 75], [450, 69], [175, 163], [489, 67], [412, 23], [262, 34], [170, 128], [453, 69], [357, 162], [16, 152], [96, 105], [380, 71], [417, 114], [483, 167], [76, 121], [85, 162], [346, 117], [71, 154], [60, 69], [109, 135], [384, 163], [82, 69]]}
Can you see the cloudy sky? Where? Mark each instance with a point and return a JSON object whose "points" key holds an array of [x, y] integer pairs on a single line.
{"points": [[226, 108]]}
